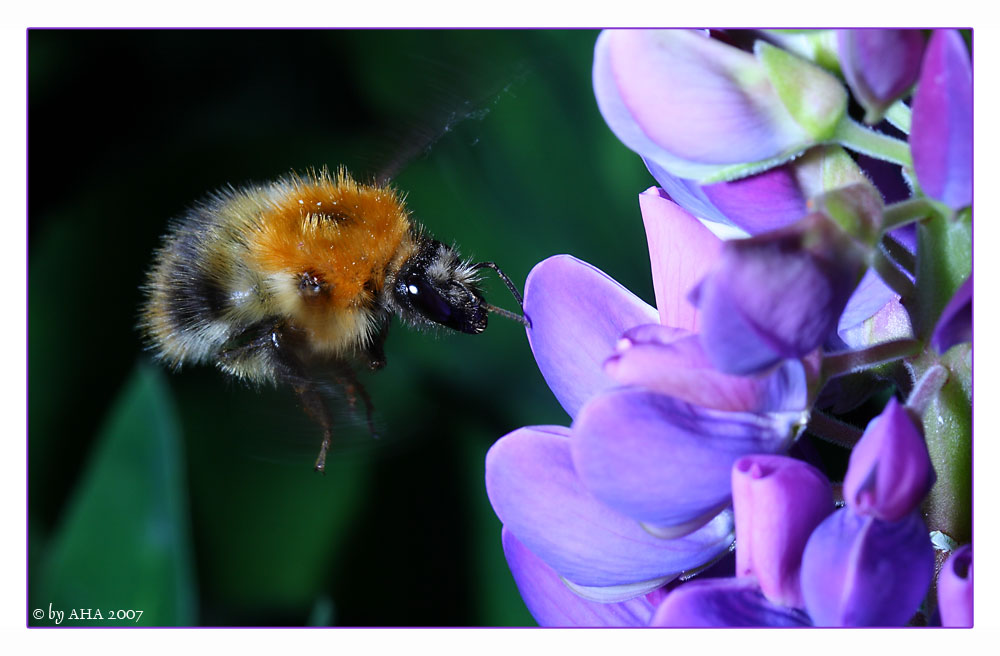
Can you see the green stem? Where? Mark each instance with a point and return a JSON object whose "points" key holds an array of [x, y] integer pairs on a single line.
{"points": [[833, 430], [907, 211], [899, 115], [838, 364], [890, 274], [856, 137]]}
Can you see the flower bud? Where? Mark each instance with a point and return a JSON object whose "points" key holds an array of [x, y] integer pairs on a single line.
{"points": [[880, 66], [861, 571], [777, 295], [941, 133], [890, 469], [777, 501]]}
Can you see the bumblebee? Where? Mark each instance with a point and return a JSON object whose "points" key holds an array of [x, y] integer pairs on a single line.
{"points": [[266, 281]]}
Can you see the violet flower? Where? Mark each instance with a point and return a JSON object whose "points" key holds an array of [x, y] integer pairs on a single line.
{"points": [[635, 492], [679, 410]]}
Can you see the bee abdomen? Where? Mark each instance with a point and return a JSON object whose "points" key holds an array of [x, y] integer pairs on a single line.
{"points": [[184, 317]]}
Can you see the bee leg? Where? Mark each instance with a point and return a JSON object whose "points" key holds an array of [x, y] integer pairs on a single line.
{"points": [[353, 389], [317, 410], [264, 351]]}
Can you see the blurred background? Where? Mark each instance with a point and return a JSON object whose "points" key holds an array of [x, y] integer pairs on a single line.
{"points": [[192, 498]]}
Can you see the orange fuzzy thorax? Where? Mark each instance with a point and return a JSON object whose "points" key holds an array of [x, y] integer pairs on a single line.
{"points": [[336, 232], [344, 233]]}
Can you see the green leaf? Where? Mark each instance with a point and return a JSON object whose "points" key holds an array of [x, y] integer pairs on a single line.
{"points": [[123, 544]]}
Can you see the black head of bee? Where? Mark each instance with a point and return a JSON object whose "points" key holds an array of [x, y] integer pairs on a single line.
{"points": [[434, 285]]}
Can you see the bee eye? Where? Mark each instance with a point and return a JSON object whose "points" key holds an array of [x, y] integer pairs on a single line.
{"points": [[426, 300]]}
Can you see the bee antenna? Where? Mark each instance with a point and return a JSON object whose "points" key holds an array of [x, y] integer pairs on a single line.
{"points": [[508, 314], [520, 318], [503, 276]]}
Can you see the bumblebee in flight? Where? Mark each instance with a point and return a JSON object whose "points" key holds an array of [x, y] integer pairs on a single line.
{"points": [[267, 281]]}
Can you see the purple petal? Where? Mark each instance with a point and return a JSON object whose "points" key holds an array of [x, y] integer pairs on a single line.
{"points": [[673, 363], [954, 589], [577, 314], [880, 65], [665, 462], [681, 251], [862, 571], [551, 603], [619, 118], [890, 470], [955, 324], [538, 496], [721, 603], [777, 501], [678, 97], [771, 298], [760, 203], [766, 201], [754, 204], [941, 134]]}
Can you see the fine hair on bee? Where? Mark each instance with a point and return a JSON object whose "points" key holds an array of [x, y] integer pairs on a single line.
{"points": [[270, 282]]}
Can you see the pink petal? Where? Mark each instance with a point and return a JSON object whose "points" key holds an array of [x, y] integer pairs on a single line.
{"points": [[681, 252], [778, 501]]}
